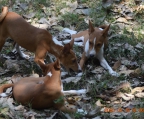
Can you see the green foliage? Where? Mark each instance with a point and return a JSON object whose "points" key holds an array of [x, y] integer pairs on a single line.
{"points": [[97, 13], [70, 18]]}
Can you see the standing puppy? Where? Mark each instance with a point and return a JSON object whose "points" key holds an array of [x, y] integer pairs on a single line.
{"points": [[35, 40]]}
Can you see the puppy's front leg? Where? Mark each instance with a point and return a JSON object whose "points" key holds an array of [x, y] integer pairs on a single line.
{"points": [[40, 54], [83, 60], [104, 63]]}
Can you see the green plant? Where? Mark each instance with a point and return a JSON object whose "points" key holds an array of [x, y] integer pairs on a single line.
{"points": [[70, 18]]}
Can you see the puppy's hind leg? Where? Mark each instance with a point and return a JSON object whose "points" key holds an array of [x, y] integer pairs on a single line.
{"points": [[20, 52]]}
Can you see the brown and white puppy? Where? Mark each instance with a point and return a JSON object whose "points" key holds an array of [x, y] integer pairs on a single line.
{"points": [[42, 92], [94, 40]]}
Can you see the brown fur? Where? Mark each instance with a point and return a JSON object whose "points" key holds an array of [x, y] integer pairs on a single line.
{"points": [[40, 93], [34, 39], [91, 33]]}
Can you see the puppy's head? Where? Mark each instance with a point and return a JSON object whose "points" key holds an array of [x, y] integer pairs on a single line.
{"points": [[50, 68], [97, 39], [68, 57]]}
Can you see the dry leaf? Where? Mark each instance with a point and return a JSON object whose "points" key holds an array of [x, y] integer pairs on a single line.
{"points": [[116, 65], [139, 95], [98, 103]]}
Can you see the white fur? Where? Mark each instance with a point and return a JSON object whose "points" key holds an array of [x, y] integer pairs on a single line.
{"points": [[3, 95], [56, 41], [65, 41], [81, 111], [79, 74], [67, 30], [75, 92], [20, 52], [79, 67], [86, 49], [79, 39], [75, 43], [93, 52], [49, 74], [104, 63]]}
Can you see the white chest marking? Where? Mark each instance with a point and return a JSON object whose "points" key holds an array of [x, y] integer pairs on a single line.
{"points": [[87, 48], [56, 41], [49, 74], [93, 52]]}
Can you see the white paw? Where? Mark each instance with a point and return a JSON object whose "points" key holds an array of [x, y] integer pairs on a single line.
{"points": [[25, 56], [82, 91], [113, 73], [4, 95], [79, 74]]}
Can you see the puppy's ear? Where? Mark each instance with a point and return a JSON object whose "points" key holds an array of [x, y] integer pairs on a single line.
{"points": [[57, 64], [105, 31], [66, 49], [71, 43], [42, 65], [91, 28]]}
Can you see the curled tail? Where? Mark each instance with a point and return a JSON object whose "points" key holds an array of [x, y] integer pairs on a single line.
{"points": [[4, 13], [4, 87]]}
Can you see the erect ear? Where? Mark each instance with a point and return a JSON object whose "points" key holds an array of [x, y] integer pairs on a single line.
{"points": [[66, 49], [105, 31], [91, 28], [42, 65], [57, 64], [71, 43]]}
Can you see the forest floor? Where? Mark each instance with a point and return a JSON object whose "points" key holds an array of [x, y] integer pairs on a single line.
{"points": [[107, 97]]}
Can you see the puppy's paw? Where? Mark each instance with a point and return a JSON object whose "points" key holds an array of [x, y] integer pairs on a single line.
{"points": [[82, 91], [25, 56], [113, 73], [79, 74]]}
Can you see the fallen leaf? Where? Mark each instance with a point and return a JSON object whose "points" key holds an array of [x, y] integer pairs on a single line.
{"points": [[29, 16], [116, 65], [126, 72], [107, 3], [98, 103], [19, 108], [44, 21]]}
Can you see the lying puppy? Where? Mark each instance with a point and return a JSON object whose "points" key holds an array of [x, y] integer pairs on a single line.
{"points": [[42, 92], [94, 41], [35, 40]]}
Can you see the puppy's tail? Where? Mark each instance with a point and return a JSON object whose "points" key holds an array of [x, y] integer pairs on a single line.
{"points": [[4, 87], [4, 13]]}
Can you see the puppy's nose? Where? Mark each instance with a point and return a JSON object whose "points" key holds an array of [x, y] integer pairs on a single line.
{"points": [[91, 55]]}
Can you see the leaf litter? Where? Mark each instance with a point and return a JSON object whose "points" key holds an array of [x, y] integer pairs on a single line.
{"points": [[114, 94]]}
